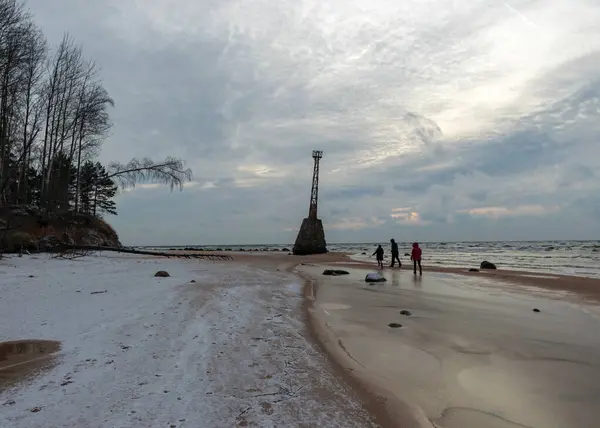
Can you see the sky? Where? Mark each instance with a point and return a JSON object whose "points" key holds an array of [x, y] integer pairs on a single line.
{"points": [[440, 120]]}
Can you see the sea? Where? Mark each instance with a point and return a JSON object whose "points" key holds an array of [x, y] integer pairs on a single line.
{"points": [[577, 258]]}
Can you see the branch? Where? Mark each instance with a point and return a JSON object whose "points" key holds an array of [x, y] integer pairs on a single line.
{"points": [[170, 172], [65, 247]]}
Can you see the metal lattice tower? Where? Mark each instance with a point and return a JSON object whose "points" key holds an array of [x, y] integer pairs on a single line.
{"points": [[311, 236], [314, 193]]}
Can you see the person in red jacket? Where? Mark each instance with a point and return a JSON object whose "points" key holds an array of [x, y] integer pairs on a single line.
{"points": [[416, 258]]}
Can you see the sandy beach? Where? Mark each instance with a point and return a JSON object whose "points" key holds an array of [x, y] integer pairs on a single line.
{"points": [[267, 340]]}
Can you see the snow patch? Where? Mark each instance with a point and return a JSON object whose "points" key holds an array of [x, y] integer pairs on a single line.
{"points": [[230, 349]]}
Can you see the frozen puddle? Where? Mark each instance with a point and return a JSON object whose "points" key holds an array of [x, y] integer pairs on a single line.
{"points": [[229, 350], [24, 357]]}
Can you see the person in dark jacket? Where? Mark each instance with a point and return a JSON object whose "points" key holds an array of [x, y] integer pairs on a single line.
{"points": [[379, 253], [395, 254], [416, 258]]}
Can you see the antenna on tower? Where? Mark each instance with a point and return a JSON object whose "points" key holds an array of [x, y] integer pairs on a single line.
{"points": [[314, 193], [311, 236]]}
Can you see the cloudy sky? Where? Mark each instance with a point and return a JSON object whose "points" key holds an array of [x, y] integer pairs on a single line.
{"points": [[439, 119]]}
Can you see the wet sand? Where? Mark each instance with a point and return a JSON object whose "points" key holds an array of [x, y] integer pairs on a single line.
{"points": [[472, 353]]}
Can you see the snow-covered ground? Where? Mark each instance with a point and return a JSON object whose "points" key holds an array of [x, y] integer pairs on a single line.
{"points": [[229, 350]]}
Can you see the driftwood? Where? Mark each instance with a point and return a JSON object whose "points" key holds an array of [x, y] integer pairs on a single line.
{"points": [[66, 247]]}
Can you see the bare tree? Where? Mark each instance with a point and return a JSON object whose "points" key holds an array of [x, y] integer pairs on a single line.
{"points": [[36, 51], [93, 123], [54, 116], [13, 30]]}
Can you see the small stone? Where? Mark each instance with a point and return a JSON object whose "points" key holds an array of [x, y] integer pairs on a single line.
{"points": [[9, 403], [473, 270], [35, 409], [193, 281], [405, 312], [536, 310], [162, 274], [394, 325]]}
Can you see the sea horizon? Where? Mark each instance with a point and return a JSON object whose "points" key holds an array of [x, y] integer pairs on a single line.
{"points": [[365, 242], [575, 257]]}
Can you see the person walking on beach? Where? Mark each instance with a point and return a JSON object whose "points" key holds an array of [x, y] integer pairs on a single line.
{"points": [[416, 258], [395, 254], [379, 253]]}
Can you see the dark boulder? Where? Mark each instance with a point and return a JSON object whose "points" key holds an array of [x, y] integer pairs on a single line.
{"points": [[335, 272], [162, 274], [487, 265]]}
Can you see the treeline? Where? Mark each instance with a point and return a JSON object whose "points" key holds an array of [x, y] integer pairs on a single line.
{"points": [[54, 117]]}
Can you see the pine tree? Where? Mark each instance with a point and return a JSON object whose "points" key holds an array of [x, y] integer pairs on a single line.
{"points": [[60, 190], [105, 190], [87, 178], [97, 190]]}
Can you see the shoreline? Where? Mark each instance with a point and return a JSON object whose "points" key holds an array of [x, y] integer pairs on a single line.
{"points": [[587, 288], [387, 410], [379, 402]]}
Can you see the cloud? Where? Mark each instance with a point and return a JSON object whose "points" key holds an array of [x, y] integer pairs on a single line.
{"points": [[355, 223], [407, 216], [499, 212], [441, 108]]}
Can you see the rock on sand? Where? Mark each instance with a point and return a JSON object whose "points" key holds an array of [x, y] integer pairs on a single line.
{"points": [[375, 277]]}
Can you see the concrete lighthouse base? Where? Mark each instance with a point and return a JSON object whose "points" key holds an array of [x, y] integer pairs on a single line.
{"points": [[311, 238]]}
